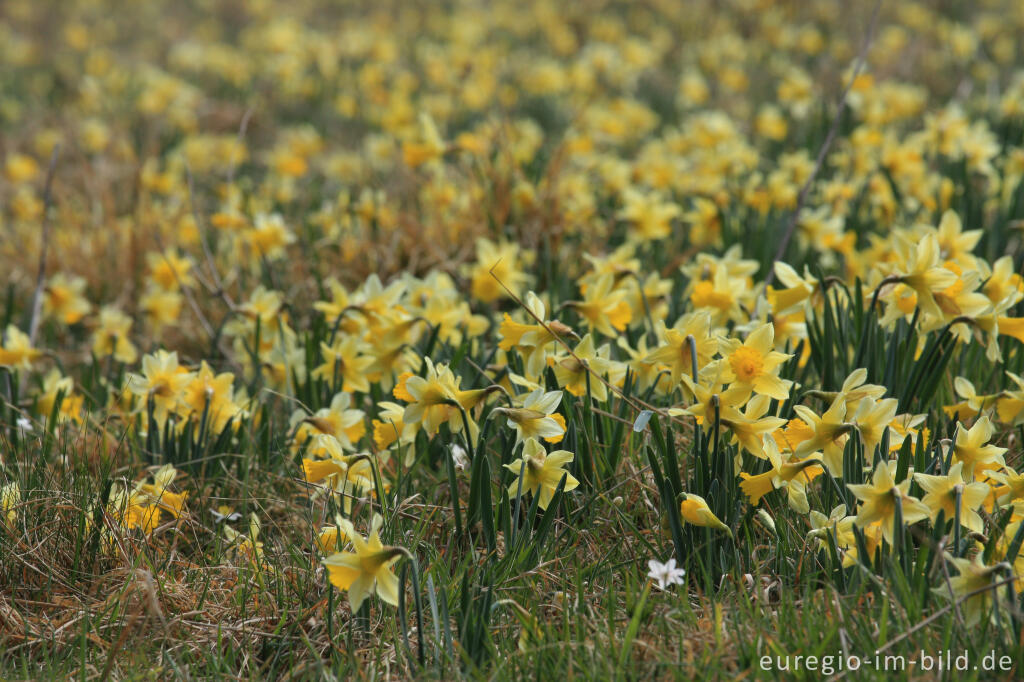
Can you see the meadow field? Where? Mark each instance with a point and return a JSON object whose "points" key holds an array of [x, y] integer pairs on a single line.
{"points": [[490, 340]]}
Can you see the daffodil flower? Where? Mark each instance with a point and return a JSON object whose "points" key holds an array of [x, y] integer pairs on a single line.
{"points": [[675, 351], [790, 473], [539, 472], [160, 495], [10, 498], [971, 449], [16, 349], [536, 417], [367, 569], [880, 498], [973, 577], [755, 363], [694, 510], [943, 493]]}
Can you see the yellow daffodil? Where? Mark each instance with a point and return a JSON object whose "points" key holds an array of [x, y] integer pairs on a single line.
{"points": [[942, 492], [604, 308], [584, 367], [160, 495], [649, 215], [10, 499], [754, 363], [970, 448], [367, 569], [973, 576], [539, 472], [694, 510], [111, 338], [344, 360], [338, 420], [831, 431], [880, 498], [162, 380], [64, 299], [675, 351], [536, 417], [16, 351], [789, 473]]}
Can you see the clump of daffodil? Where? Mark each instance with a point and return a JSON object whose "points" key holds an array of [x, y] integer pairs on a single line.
{"points": [[539, 472], [367, 568]]}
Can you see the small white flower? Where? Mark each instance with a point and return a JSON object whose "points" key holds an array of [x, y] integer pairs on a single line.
{"points": [[665, 573], [24, 424], [459, 457]]}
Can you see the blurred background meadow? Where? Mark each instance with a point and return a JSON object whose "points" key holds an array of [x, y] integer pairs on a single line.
{"points": [[509, 339]]}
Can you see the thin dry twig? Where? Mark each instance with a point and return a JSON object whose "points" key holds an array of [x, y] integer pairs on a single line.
{"points": [[635, 403], [193, 304], [218, 282], [37, 296], [825, 146], [243, 126], [955, 604]]}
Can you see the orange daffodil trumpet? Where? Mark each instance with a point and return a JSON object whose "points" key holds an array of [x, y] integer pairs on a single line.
{"points": [[790, 473]]}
